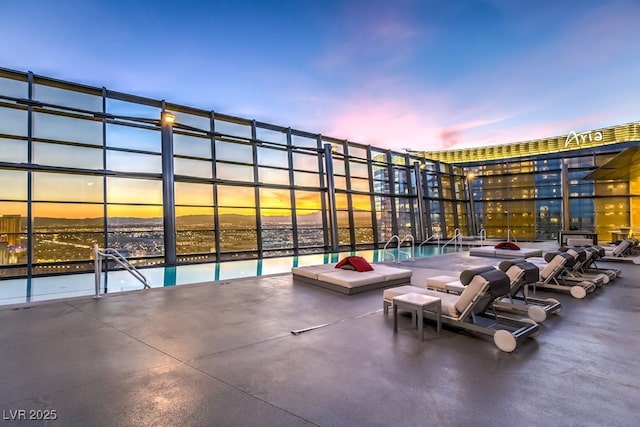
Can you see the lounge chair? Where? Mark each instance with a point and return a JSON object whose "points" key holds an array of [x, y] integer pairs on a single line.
{"points": [[623, 252], [521, 274], [468, 310], [552, 276]]}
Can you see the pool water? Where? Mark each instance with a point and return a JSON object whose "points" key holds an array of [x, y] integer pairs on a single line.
{"points": [[23, 291]]}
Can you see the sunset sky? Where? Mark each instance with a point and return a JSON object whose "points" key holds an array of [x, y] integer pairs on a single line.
{"points": [[419, 74]]}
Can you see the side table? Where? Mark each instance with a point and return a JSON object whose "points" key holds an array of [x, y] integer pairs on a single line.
{"points": [[417, 304]]}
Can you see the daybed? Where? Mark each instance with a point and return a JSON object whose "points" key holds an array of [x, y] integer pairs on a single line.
{"points": [[352, 281]]}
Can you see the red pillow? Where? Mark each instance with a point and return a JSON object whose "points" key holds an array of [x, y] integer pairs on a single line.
{"points": [[359, 263]]}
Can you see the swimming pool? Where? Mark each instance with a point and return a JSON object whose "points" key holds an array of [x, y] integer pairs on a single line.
{"points": [[37, 289]]}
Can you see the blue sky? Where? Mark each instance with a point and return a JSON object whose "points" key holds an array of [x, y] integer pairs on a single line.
{"points": [[419, 74]]}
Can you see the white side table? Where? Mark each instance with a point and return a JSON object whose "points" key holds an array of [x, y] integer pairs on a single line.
{"points": [[417, 304]]}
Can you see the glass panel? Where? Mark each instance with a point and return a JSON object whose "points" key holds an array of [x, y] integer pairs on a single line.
{"points": [[230, 151], [304, 141], [67, 98], [236, 196], [64, 231], [306, 179], [276, 158], [308, 200], [195, 230], [13, 150], [13, 121], [67, 156], [199, 122], [234, 172], [133, 138], [131, 109], [360, 184], [194, 218], [133, 162], [13, 185], [338, 166], [358, 169], [305, 162], [341, 201], [277, 238], [13, 88], [125, 190], [191, 146], [196, 168], [273, 198], [273, 176], [136, 231], [357, 152], [237, 229], [62, 128], [235, 129], [271, 135], [340, 182], [67, 188], [187, 193], [13, 239]]}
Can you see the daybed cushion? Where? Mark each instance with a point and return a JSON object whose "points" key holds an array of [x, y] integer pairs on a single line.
{"points": [[391, 273], [312, 271], [351, 279]]}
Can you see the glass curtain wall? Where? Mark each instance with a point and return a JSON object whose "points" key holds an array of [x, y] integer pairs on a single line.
{"points": [[83, 166]]}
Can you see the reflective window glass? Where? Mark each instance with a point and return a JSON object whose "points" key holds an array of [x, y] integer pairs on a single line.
{"points": [[83, 216], [67, 98], [67, 156], [14, 88], [358, 169], [234, 172], [199, 122], [359, 184], [187, 193], [126, 190], [194, 218], [13, 185], [274, 198], [234, 129], [357, 152], [304, 141], [306, 179], [133, 138], [66, 187], [13, 121], [305, 162], [134, 217], [308, 200], [230, 151], [271, 136], [229, 195], [195, 168], [133, 162], [192, 146], [63, 128], [13, 150], [273, 176], [132, 109], [270, 157]]}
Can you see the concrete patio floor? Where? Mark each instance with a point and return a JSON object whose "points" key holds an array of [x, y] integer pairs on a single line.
{"points": [[223, 354]]}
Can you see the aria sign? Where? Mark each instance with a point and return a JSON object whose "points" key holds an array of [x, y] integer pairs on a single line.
{"points": [[583, 137]]}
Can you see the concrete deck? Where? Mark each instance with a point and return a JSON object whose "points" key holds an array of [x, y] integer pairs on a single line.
{"points": [[223, 354]]}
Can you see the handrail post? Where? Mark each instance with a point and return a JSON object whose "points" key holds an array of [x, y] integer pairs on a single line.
{"points": [[96, 269]]}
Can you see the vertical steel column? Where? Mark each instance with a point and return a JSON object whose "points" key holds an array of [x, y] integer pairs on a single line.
{"points": [[420, 235], [331, 192], [168, 194], [473, 223], [564, 180]]}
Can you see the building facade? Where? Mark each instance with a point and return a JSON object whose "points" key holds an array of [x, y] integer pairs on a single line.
{"points": [[171, 184]]}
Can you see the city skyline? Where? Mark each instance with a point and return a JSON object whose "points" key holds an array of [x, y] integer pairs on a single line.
{"points": [[424, 75]]}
